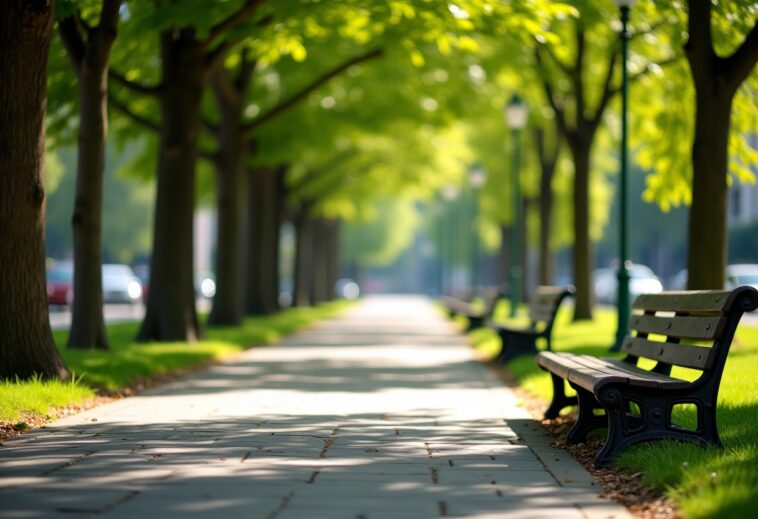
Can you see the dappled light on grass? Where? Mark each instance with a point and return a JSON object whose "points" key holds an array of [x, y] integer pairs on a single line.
{"points": [[38, 396]]}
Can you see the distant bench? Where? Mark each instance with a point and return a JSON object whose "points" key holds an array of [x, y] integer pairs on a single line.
{"points": [[689, 329], [477, 315], [543, 309]]}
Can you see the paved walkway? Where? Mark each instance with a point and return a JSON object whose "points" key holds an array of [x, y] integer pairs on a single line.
{"points": [[382, 413]]}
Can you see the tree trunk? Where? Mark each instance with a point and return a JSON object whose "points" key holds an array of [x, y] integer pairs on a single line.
{"points": [[707, 237], [265, 195], [526, 204], [333, 257], [171, 313], [580, 150], [320, 264], [303, 261], [87, 320], [230, 201], [26, 342], [548, 159], [716, 79]]}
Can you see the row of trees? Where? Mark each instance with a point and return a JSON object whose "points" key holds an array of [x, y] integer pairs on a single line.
{"points": [[319, 108]]}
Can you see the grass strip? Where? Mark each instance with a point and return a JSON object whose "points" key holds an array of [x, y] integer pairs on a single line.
{"points": [[704, 483], [127, 361]]}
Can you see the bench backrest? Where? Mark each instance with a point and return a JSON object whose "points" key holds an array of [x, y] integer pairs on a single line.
{"points": [[692, 329], [544, 305]]}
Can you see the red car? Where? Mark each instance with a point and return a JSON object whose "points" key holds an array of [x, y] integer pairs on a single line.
{"points": [[60, 284]]}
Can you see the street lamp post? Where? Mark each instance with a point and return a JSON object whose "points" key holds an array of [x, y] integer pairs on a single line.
{"points": [[477, 178], [622, 330], [516, 114]]}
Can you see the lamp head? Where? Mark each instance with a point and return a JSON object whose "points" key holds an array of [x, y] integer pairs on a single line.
{"points": [[516, 113], [624, 3]]}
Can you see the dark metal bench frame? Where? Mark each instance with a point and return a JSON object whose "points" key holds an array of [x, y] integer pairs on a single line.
{"points": [[708, 317], [542, 312], [477, 317]]}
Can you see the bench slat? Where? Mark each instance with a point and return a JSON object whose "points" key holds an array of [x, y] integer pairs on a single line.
{"points": [[540, 313], [684, 327], [685, 355], [548, 295], [714, 301]]}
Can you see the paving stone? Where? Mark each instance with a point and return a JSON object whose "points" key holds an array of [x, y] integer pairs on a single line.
{"points": [[380, 413]]}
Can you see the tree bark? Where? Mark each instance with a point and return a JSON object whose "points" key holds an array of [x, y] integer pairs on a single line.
{"points": [[26, 341], [171, 313], [265, 209], [716, 81], [230, 202], [333, 257], [580, 150], [90, 61], [320, 265], [303, 260], [548, 159]]}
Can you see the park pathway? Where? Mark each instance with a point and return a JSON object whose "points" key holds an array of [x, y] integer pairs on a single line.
{"points": [[381, 413]]}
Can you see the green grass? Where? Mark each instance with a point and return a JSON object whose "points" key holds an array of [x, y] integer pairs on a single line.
{"points": [[705, 483], [127, 362]]}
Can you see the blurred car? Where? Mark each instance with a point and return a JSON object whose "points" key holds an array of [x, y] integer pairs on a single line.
{"points": [[742, 274], [120, 285], [346, 288], [642, 281], [142, 271], [60, 284], [205, 284]]}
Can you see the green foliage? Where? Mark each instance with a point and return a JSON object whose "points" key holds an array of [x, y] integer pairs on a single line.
{"points": [[378, 240]]}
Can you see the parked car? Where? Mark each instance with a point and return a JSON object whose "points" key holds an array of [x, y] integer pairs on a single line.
{"points": [[120, 285], [60, 283], [642, 281], [742, 274], [205, 284], [142, 271]]}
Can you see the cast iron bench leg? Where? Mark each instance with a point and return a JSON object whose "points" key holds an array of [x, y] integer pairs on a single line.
{"points": [[560, 400], [587, 420]]}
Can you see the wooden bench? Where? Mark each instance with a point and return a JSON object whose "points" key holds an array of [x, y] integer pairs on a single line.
{"points": [[542, 311], [477, 315], [688, 329]]}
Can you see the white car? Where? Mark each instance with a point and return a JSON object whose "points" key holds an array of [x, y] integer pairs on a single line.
{"points": [[642, 281], [742, 274]]}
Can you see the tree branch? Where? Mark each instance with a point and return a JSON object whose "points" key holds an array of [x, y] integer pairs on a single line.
{"points": [[223, 87], [741, 62], [152, 91], [245, 73], [214, 58], [73, 42], [608, 90], [124, 109], [293, 100], [109, 17], [560, 116], [565, 68], [231, 21], [576, 73]]}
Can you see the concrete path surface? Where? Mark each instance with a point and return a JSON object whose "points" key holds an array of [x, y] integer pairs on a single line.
{"points": [[381, 413]]}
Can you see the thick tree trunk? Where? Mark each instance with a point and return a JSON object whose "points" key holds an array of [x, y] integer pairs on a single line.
{"points": [[26, 342], [171, 313], [320, 265], [265, 195], [707, 237], [303, 261], [333, 257], [548, 159], [87, 320], [582, 245], [230, 202]]}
